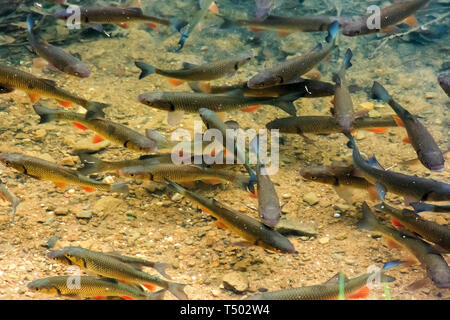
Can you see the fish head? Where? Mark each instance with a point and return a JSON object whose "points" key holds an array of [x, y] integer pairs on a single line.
{"points": [[78, 69], [156, 100], [276, 242], [206, 115], [74, 255], [320, 174], [242, 59], [43, 285], [12, 160], [142, 144], [264, 80], [433, 160], [59, 256]]}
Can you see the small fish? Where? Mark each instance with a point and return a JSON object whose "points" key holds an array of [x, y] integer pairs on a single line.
{"points": [[184, 173], [343, 105], [193, 72], [245, 226], [389, 16], [5, 194], [111, 267], [91, 287], [269, 208], [14, 79], [60, 175], [104, 128], [444, 82], [422, 141], [305, 88], [428, 230], [292, 68], [436, 266], [112, 15], [413, 188], [330, 290], [422, 206], [56, 56]]}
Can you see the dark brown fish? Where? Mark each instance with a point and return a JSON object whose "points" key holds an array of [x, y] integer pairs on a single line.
{"points": [[444, 82], [343, 105]]}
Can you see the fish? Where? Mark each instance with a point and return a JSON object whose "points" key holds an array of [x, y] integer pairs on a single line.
{"points": [[292, 68], [413, 188], [184, 173], [286, 25], [428, 230], [343, 105], [60, 256], [202, 72], [422, 141], [305, 88], [105, 129], [56, 56], [14, 79], [444, 82], [326, 124], [112, 15], [111, 267], [45, 170], [269, 208], [91, 287], [389, 16], [436, 267], [241, 224], [422, 206], [330, 290], [193, 102], [5, 194]]}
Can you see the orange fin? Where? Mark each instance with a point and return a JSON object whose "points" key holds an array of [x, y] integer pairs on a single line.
{"points": [[213, 8], [253, 195], [205, 210], [2, 197], [283, 34], [34, 97], [175, 82], [79, 125], [377, 129], [99, 298], [61, 185], [212, 181], [124, 25], [152, 25], [406, 140], [250, 109], [411, 21], [65, 104], [256, 30], [373, 194], [88, 189], [392, 244], [396, 223], [205, 87], [127, 298], [399, 121], [221, 115], [97, 139], [361, 293], [149, 287], [220, 225]]}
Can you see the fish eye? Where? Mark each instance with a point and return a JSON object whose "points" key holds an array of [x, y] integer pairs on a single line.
{"points": [[313, 178], [7, 163]]}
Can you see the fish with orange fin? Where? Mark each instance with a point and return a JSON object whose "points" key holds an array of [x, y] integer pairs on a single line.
{"points": [[112, 131], [389, 17], [420, 138], [107, 265], [14, 79], [194, 72], [355, 288], [56, 56], [91, 287], [428, 230], [5, 194], [243, 225], [45, 170], [436, 266]]}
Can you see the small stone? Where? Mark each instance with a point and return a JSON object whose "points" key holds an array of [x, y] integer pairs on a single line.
{"points": [[341, 207], [106, 205], [40, 133], [336, 215], [311, 198], [290, 227], [324, 240], [286, 196], [429, 95], [84, 214], [374, 114], [67, 161], [235, 281], [349, 261], [215, 292], [177, 197], [367, 105], [341, 236], [241, 265], [61, 211], [108, 180], [360, 134]]}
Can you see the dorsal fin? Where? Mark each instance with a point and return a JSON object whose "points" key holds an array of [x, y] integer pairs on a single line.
{"points": [[335, 279], [373, 162], [188, 65], [50, 82]]}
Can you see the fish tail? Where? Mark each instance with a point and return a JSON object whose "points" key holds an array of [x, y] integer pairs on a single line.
{"points": [[379, 92], [177, 289], [392, 264], [30, 24], [421, 207], [286, 103], [45, 114], [346, 62], [368, 221], [332, 31], [95, 110], [351, 141], [146, 69], [161, 268], [175, 187], [120, 187], [158, 295], [90, 164]]}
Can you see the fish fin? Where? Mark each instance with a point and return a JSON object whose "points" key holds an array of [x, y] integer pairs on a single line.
{"points": [[99, 298], [50, 82], [158, 295], [381, 190], [318, 47], [221, 115], [282, 34], [96, 27], [368, 221], [174, 117], [146, 69], [45, 114], [416, 285], [373, 193], [390, 30], [187, 65], [76, 55], [152, 25], [150, 287], [335, 279], [177, 289], [255, 29], [378, 92], [392, 244], [232, 124], [65, 104], [204, 209], [250, 109], [79, 125], [34, 97], [396, 223], [253, 194], [213, 8], [205, 87], [97, 139], [347, 58], [361, 293], [95, 110], [411, 21], [220, 225], [212, 181], [373, 162], [406, 140], [421, 207], [161, 268], [137, 9], [2, 197], [120, 188], [60, 185], [90, 164], [123, 25], [127, 298], [337, 79], [399, 121], [377, 129], [175, 82], [88, 189], [286, 103], [345, 193], [333, 30]]}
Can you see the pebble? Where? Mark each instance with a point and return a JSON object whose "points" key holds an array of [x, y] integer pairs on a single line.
{"points": [[177, 197], [336, 215], [360, 134], [291, 227], [311, 198], [286, 196], [324, 240], [84, 214], [40, 133], [67, 161], [341, 236], [215, 292], [61, 211], [108, 180], [374, 114], [367, 105], [235, 281], [106, 204]]}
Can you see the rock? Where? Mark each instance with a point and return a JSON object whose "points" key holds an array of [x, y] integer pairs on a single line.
{"points": [[241, 265], [286, 196], [367, 105], [61, 211], [360, 134], [108, 180], [289, 227], [311, 198], [341, 207], [324, 240], [177, 197], [84, 214], [106, 205], [87, 146], [40, 134], [374, 114], [341, 236], [215, 292], [235, 281], [67, 161]]}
